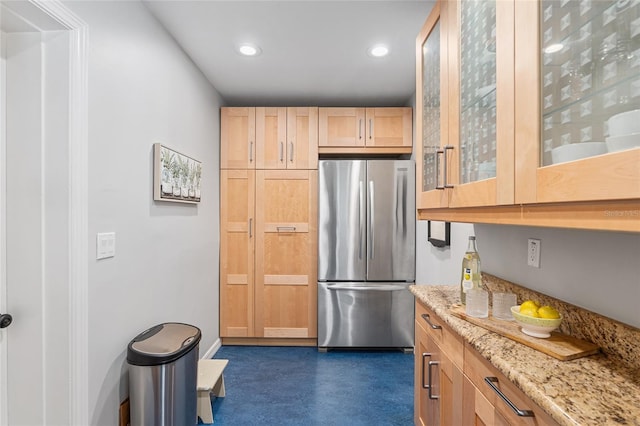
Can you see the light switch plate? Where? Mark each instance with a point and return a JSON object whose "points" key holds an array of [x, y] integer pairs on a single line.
{"points": [[105, 245]]}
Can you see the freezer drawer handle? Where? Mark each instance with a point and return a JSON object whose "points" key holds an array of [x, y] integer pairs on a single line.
{"points": [[433, 326], [430, 364], [521, 413], [286, 228], [424, 356], [375, 287]]}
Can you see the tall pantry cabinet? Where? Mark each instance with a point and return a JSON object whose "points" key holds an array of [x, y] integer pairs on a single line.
{"points": [[268, 217]]}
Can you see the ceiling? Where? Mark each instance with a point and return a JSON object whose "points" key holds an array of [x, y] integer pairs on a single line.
{"points": [[313, 52]]}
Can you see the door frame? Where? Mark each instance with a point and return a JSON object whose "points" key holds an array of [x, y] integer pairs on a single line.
{"points": [[77, 250]]}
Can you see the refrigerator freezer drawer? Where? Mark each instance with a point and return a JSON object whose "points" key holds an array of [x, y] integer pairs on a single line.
{"points": [[365, 315]]}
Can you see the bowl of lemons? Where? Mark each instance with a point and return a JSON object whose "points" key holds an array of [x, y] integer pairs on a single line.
{"points": [[535, 320]]}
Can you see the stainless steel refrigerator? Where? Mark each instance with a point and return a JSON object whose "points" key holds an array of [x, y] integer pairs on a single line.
{"points": [[366, 253]]}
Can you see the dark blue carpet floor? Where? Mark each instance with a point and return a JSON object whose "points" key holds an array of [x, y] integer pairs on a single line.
{"points": [[300, 386]]}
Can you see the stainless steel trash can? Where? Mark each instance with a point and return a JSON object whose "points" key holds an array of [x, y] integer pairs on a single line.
{"points": [[163, 375]]}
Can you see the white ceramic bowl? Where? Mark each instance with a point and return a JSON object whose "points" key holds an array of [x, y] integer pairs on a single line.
{"points": [[620, 143], [576, 151], [535, 327], [625, 123]]}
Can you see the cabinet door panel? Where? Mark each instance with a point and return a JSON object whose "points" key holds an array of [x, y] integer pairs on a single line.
{"points": [[237, 138], [286, 246], [237, 231], [341, 127], [389, 127], [271, 138], [302, 138]]}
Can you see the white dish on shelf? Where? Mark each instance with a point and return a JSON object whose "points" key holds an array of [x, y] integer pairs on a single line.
{"points": [[620, 143], [625, 123], [577, 151]]}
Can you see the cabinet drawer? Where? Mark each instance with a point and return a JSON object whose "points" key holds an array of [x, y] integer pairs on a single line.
{"points": [[449, 341], [476, 368]]}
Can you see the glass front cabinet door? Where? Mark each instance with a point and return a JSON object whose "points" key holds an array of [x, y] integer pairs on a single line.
{"points": [[431, 110], [465, 100], [583, 86]]}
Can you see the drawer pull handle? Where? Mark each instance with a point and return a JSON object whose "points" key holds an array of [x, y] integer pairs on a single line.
{"points": [[521, 413], [431, 395], [432, 325], [424, 356], [286, 228]]}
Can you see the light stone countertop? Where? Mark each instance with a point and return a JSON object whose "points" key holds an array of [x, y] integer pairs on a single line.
{"points": [[601, 389]]}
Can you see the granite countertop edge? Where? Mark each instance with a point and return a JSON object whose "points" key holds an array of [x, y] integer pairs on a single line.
{"points": [[563, 389]]}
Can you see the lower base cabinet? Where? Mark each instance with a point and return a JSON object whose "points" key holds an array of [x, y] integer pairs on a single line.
{"points": [[455, 385]]}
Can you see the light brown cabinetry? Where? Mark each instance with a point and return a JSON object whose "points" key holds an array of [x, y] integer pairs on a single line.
{"points": [[365, 130], [287, 138], [487, 119], [268, 222], [237, 241], [487, 391], [238, 138], [438, 371], [286, 253], [450, 385]]}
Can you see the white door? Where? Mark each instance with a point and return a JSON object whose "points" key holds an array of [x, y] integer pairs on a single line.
{"points": [[34, 219]]}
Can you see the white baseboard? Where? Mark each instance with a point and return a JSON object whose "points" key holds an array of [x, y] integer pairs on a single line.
{"points": [[213, 349]]}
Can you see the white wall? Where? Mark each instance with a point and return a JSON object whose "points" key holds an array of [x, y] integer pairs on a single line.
{"points": [[143, 89], [441, 265], [592, 269]]}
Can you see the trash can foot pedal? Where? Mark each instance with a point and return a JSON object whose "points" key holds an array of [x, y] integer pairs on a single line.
{"points": [[210, 380]]}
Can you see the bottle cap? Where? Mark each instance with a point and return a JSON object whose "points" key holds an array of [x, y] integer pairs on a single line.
{"points": [[472, 237]]}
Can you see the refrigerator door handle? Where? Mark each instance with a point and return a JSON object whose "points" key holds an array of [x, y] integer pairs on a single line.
{"points": [[361, 219], [372, 219]]}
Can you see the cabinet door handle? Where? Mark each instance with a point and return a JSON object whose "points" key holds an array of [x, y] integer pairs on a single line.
{"points": [[360, 129], [446, 148], [286, 228], [370, 128], [521, 413], [430, 364], [281, 151], [424, 356], [251, 152], [433, 326], [438, 152], [291, 152], [250, 227]]}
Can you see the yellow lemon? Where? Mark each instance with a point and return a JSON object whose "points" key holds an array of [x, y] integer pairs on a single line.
{"points": [[548, 312], [529, 304], [530, 312]]}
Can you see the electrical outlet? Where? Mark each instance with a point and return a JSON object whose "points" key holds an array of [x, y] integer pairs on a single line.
{"points": [[533, 253]]}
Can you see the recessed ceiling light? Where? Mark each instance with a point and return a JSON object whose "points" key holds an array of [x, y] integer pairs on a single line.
{"points": [[379, 51], [553, 48], [249, 49]]}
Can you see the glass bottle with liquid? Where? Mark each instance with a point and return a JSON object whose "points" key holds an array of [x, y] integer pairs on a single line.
{"points": [[471, 275]]}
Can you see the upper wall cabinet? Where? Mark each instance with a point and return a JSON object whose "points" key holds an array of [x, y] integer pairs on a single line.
{"points": [[269, 138], [287, 138], [578, 101], [237, 138], [365, 130], [464, 87], [538, 113]]}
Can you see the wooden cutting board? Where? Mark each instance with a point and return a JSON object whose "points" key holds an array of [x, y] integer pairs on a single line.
{"points": [[559, 346]]}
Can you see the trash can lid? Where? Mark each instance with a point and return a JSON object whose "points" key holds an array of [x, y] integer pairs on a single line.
{"points": [[162, 344]]}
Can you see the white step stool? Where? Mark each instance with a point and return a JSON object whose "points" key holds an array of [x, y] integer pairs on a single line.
{"points": [[210, 380]]}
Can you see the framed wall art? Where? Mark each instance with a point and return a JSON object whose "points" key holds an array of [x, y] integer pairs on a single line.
{"points": [[176, 177]]}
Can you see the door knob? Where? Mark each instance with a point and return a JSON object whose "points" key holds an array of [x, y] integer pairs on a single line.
{"points": [[5, 320]]}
